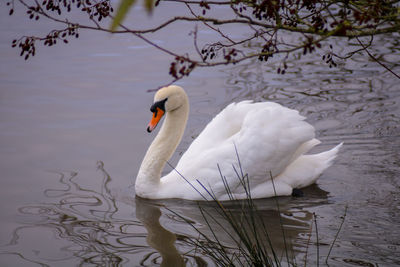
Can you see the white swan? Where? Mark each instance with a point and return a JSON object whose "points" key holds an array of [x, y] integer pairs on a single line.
{"points": [[271, 140]]}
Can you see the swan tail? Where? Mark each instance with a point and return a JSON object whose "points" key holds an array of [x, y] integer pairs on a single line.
{"points": [[306, 169], [327, 157]]}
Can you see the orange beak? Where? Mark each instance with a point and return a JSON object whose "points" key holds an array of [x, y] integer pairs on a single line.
{"points": [[157, 115]]}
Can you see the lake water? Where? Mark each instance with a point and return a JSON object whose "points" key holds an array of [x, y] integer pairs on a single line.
{"points": [[73, 132]]}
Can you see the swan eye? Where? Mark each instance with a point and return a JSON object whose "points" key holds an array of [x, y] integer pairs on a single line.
{"points": [[158, 104]]}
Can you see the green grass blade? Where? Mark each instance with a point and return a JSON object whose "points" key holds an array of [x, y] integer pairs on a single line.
{"points": [[123, 8], [149, 5]]}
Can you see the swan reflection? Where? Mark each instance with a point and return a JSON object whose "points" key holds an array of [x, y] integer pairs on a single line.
{"points": [[158, 237], [287, 226], [82, 226]]}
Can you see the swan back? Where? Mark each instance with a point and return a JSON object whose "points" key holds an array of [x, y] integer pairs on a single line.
{"points": [[265, 133], [266, 137]]}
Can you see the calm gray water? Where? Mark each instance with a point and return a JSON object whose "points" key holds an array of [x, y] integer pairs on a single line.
{"points": [[73, 132]]}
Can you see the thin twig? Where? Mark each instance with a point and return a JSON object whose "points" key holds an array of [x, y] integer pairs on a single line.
{"points": [[377, 60], [208, 25], [316, 232], [196, 46], [337, 234], [350, 54], [187, 181], [308, 245], [280, 218]]}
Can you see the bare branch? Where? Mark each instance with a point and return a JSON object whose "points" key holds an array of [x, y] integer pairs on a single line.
{"points": [[312, 21], [378, 61]]}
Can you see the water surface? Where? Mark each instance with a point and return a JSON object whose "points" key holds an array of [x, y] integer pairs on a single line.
{"points": [[72, 135]]}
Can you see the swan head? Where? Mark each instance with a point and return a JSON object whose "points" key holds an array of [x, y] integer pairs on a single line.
{"points": [[166, 99]]}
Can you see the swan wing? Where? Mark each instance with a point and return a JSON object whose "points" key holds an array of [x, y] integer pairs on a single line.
{"points": [[258, 139], [223, 126]]}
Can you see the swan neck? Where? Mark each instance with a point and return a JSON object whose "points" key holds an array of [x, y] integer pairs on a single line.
{"points": [[161, 149]]}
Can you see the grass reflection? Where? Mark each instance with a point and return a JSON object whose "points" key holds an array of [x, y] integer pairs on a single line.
{"points": [[85, 227]]}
